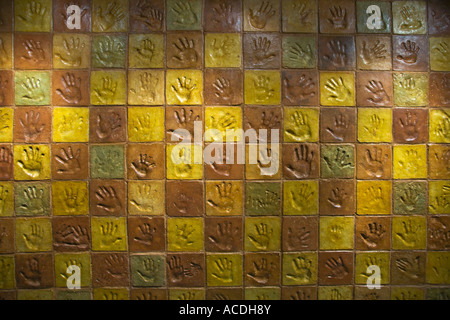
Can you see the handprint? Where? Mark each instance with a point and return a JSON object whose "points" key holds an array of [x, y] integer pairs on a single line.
{"points": [[72, 56], [259, 18], [336, 268], [301, 128], [410, 161], [146, 92], [337, 90], [183, 89], [409, 235], [3, 54], [71, 93], [340, 127], [410, 269], [151, 17], [108, 126], [69, 126], [31, 273], [184, 120], [263, 90], [3, 83], [378, 94], [183, 204], [371, 261], [375, 162], [300, 13], [225, 235], [298, 238], [108, 200], [224, 270], [106, 93], [410, 52], [374, 198], [410, 19], [109, 237], [6, 160], [183, 236], [31, 162], [185, 16], [224, 202], [442, 52], [338, 17], [302, 165], [442, 129], [115, 265], [440, 269], [33, 204], [224, 122], [146, 233], [187, 55], [32, 127], [3, 198], [261, 239], [143, 199], [150, 270], [183, 169], [144, 127], [176, 269], [223, 14], [337, 198], [73, 198], [302, 270], [34, 14], [223, 89], [335, 232], [34, 51], [107, 18], [261, 50], [109, 52], [301, 199], [73, 236], [146, 50], [34, 238], [34, 91], [374, 126], [262, 271], [409, 126], [374, 235], [301, 91], [303, 56], [144, 166], [338, 54], [369, 55], [341, 160]]}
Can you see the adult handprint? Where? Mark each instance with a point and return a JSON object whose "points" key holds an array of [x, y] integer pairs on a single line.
{"points": [[32, 127], [261, 271], [301, 128], [106, 93], [300, 91], [299, 55], [34, 14], [223, 89], [337, 89], [33, 204], [146, 91], [225, 235], [302, 270], [378, 94], [183, 89], [144, 166], [410, 52], [261, 239], [259, 18], [34, 51], [73, 50], [263, 90], [34, 237], [337, 269], [187, 55], [109, 237], [338, 17], [146, 50], [375, 162], [149, 16], [340, 127], [337, 198], [369, 55], [303, 162], [224, 202], [224, 270], [146, 233], [409, 126], [143, 200], [109, 52], [301, 199], [409, 235], [34, 91], [31, 162], [185, 16], [261, 50], [338, 54], [71, 93], [108, 126], [107, 18], [374, 235], [410, 20], [108, 200]]}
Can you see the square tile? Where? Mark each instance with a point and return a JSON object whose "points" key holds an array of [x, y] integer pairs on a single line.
{"points": [[409, 233], [69, 161], [7, 235], [34, 271], [109, 16], [265, 164], [262, 87], [147, 15], [438, 127], [108, 51], [438, 197], [146, 198], [70, 125], [410, 125], [6, 87], [337, 53], [373, 18], [62, 263], [408, 267], [409, 17], [33, 16], [410, 53], [70, 88], [261, 16], [374, 125], [32, 199], [7, 199], [336, 233], [182, 120], [223, 16], [109, 234], [184, 87], [32, 51], [107, 162], [299, 268], [147, 270], [437, 15], [410, 197], [373, 197], [223, 87], [337, 18], [262, 50], [185, 270], [439, 83], [107, 198], [373, 161], [110, 269], [335, 268], [107, 124], [225, 162], [337, 161], [262, 269], [32, 162], [146, 87], [337, 197], [300, 88], [32, 124], [337, 89], [145, 162], [299, 16], [33, 234], [108, 88], [409, 162], [145, 124], [262, 198], [439, 60], [71, 234], [184, 198], [224, 270], [438, 159], [301, 233], [363, 260], [223, 50], [62, 13], [223, 234], [301, 125], [146, 51], [184, 162], [373, 52], [300, 197], [338, 125], [262, 234], [146, 234], [184, 50], [223, 124], [32, 88], [374, 89], [184, 15], [185, 234], [224, 198], [373, 233], [6, 131], [71, 51], [70, 198]]}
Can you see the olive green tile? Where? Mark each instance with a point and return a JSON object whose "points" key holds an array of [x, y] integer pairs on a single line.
{"points": [[299, 52], [300, 268], [32, 88], [109, 234], [32, 199], [33, 16], [147, 270], [224, 270], [33, 234], [185, 234], [262, 234], [108, 87], [107, 162], [262, 198]]}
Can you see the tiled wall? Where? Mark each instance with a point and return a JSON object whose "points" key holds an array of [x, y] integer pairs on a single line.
{"points": [[88, 115]]}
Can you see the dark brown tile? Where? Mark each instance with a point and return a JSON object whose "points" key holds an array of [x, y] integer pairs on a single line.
{"points": [[6, 162], [438, 233], [32, 124], [223, 234], [337, 125], [32, 51], [34, 271], [223, 87], [6, 87], [71, 234], [439, 91], [373, 52], [408, 267], [438, 17], [266, 118], [107, 124], [71, 88], [410, 125], [145, 161], [107, 197], [6, 14], [373, 233], [184, 198], [110, 270], [181, 118], [374, 89], [6, 235], [335, 268], [225, 170], [410, 53], [147, 15], [299, 293], [300, 161], [337, 197], [337, 17], [439, 161], [186, 270], [373, 161], [223, 16], [300, 233], [262, 50], [300, 88], [70, 161], [146, 234], [184, 50], [224, 294], [262, 269], [8, 295], [61, 15], [337, 53], [149, 294]]}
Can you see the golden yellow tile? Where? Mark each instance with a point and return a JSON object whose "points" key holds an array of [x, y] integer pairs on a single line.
{"points": [[6, 124], [301, 125], [337, 89], [111, 294], [223, 50], [187, 294], [71, 51], [364, 260], [301, 198], [109, 234], [440, 125], [6, 52], [184, 162], [409, 233], [224, 270], [64, 260], [262, 87], [33, 16], [224, 198], [439, 197], [262, 234], [146, 87], [227, 120], [108, 87], [410, 162], [335, 293], [6, 199], [7, 272], [32, 162], [262, 293], [440, 53], [261, 15], [34, 234], [145, 124], [146, 51], [300, 268], [70, 125], [70, 198], [185, 234], [263, 162], [40, 294], [299, 16], [336, 233], [438, 266], [184, 87], [409, 293], [374, 125], [373, 197], [109, 16], [146, 198], [410, 89]]}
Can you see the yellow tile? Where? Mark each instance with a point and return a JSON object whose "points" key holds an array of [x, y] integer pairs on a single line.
{"points": [[227, 120], [410, 89], [409, 233], [373, 197], [184, 162], [440, 53], [263, 162], [70, 198], [34, 234], [262, 87], [146, 87], [109, 234], [145, 124], [146, 198], [262, 234], [224, 270], [410, 162], [364, 260], [6, 124], [407, 294], [301, 198], [108, 87], [111, 294], [335, 293], [109, 16], [7, 272], [300, 268], [70, 124], [6, 52], [337, 89], [374, 125], [439, 197], [223, 50], [301, 125], [185, 234], [62, 263], [33, 16], [438, 266], [146, 51], [71, 51], [31, 162], [224, 198], [440, 126], [184, 87], [187, 294], [336, 233], [40, 294], [6, 199]]}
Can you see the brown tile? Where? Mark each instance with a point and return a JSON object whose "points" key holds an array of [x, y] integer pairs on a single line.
{"points": [[300, 88], [184, 198], [8, 295], [438, 19], [300, 161], [373, 233], [337, 197], [337, 125], [374, 89], [335, 268], [223, 87], [225, 171], [410, 53], [364, 293], [71, 88], [439, 161], [184, 50], [439, 91], [299, 293], [438, 233], [34, 271], [71, 234], [410, 125], [146, 15], [6, 162], [32, 124], [408, 267], [223, 234], [107, 197], [337, 53], [373, 161], [107, 124], [373, 52], [146, 234], [110, 270], [186, 270], [181, 118], [145, 161], [70, 161], [224, 294], [262, 269], [60, 16], [6, 15], [6, 235], [149, 294], [300, 233], [266, 118], [32, 51], [223, 16], [6, 87], [337, 17], [262, 50]]}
